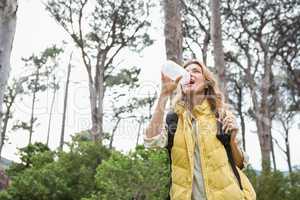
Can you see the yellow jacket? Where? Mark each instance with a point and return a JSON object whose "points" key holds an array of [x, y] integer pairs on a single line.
{"points": [[219, 180]]}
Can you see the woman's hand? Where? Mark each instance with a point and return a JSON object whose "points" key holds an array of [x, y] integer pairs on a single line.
{"points": [[168, 85], [230, 125]]}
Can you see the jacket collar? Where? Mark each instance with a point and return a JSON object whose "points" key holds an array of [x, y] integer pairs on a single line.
{"points": [[202, 109]]}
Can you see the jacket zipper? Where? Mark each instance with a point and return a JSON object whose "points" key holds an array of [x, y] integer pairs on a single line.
{"points": [[198, 146]]}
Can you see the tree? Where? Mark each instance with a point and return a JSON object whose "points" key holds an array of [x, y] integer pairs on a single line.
{"points": [[173, 30], [40, 67], [236, 89], [120, 113], [31, 156], [100, 34], [12, 91], [286, 121], [197, 38], [146, 102], [255, 30], [285, 116], [54, 85], [62, 134], [126, 78], [196, 28], [134, 176], [216, 36], [8, 18], [44, 174]]}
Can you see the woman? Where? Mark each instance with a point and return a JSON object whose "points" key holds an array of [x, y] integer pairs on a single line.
{"points": [[199, 164]]}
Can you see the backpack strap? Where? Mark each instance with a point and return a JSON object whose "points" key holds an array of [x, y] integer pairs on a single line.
{"points": [[225, 140], [171, 126]]}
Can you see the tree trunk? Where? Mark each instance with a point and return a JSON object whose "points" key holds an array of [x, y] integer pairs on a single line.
{"points": [[263, 124], [288, 155], [205, 48], [265, 143], [50, 117], [241, 115], [113, 133], [286, 127], [265, 117], [5, 122], [8, 18], [273, 154], [97, 90], [33, 103], [99, 132], [216, 36], [173, 30], [138, 134], [62, 134]]}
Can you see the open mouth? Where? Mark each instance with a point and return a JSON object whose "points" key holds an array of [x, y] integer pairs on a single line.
{"points": [[191, 82]]}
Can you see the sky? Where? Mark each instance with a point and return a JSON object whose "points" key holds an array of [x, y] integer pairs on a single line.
{"points": [[36, 30]]}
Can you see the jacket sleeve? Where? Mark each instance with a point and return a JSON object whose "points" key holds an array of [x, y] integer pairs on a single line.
{"points": [[158, 141]]}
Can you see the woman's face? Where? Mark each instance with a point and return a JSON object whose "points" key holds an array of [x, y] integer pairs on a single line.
{"points": [[197, 83]]}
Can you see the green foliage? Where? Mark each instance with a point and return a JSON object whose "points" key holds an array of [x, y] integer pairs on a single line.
{"points": [[39, 184], [41, 66], [271, 186], [140, 175], [294, 190], [275, 185], [67, 175], [126, 77], [36, 155], [89, 171]]}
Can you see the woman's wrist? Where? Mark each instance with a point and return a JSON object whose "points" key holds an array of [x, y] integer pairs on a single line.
{"points": [[162, 101], [164, 95]]}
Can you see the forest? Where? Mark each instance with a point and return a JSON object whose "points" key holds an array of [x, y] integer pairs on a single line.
{"points": [[94, 77]]}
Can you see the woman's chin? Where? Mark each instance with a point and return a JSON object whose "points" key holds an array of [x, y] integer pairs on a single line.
{"points": [[189, 90]]}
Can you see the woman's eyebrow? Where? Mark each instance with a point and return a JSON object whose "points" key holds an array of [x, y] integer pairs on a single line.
{"points": [[195, 69]]}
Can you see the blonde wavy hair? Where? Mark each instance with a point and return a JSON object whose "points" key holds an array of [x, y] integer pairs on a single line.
{"points": [[212, 91]]}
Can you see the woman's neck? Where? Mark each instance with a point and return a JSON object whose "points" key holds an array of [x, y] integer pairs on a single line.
{"points": [[193, 100]]}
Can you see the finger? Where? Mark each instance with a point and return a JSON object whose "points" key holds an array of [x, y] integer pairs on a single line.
{"points": [[167, 78], [230, 121], [224, 127], [228, 129], [178, 79], [226, 122], [230, 126], [223, 124], [163, 77], [228, 118], [233, 128]]}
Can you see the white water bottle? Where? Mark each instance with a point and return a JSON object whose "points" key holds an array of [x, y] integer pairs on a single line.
{"points": [[173, 71]]}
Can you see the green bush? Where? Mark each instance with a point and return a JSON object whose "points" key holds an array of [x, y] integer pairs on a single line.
{"points": [[275, 185], [139, 175], [47, 175], [89, 171]]}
